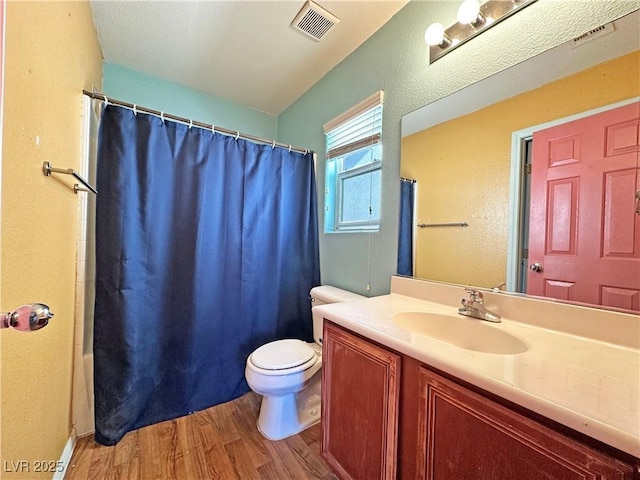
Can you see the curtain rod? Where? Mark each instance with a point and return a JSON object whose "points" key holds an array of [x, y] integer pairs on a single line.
{"points": [[188, 121]]}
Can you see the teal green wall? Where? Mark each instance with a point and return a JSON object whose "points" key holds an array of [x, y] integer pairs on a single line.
{"points": [[130, 86], [396, 60]]}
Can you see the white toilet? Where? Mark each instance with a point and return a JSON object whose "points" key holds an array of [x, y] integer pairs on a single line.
{"points": [[287, 374]]}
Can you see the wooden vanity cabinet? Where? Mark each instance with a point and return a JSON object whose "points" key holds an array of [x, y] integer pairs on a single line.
{"points": [[464, 435], [360, 393], [383, 421]]}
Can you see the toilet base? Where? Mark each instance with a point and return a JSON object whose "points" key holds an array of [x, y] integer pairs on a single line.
{"points": [[284, 415]]}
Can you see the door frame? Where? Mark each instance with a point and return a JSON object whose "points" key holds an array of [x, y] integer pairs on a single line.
{"points": [[516, 186]]}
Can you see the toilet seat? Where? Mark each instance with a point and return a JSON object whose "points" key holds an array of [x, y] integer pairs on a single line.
{"points": [[282, 357]]}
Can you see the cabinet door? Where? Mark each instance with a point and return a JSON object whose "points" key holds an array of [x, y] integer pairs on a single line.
{"points": [[360, 392], [467, 436]]}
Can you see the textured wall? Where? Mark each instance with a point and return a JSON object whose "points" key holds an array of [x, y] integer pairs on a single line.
{"points": [[395, 59], [51, 54], [128, 85]]}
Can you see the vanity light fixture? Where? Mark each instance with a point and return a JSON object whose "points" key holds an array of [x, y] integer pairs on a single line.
{"points": [[473, 19]]}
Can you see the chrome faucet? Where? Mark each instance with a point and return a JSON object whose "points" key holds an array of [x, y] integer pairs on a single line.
{"points": [[474, 307]]}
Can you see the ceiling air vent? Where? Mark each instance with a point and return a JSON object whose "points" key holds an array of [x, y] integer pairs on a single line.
{"points": [[314, 21], [598, 32]]}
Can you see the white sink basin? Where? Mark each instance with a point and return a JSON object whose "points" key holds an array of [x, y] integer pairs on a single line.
{"points": [[463, 332]]}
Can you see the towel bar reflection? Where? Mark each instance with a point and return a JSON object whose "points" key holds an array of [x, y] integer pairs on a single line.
{"points": [[454, 224], [47, 169]]}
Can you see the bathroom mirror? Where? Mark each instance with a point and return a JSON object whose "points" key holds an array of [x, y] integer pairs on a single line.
{"points": [[467, 153]]}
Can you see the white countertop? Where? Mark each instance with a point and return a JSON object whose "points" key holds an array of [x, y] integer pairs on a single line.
{"points": [[588, 385]]}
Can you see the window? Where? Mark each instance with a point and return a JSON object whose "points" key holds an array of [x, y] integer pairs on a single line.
{"points": [[354, 153]]}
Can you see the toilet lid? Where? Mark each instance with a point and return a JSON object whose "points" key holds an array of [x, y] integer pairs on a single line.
{"points": [[282, 354]]}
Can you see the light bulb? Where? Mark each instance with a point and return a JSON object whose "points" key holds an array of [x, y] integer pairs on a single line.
{"points": [[435, 35], [469, 12]]}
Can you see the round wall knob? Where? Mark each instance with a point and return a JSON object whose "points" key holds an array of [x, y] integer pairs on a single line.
{"points": [[535, 267]]}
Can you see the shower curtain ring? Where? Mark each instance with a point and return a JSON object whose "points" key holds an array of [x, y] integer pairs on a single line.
{"points": [[213, 129], [237, 135], [106, 101], [190, 123], [289, 148], [162, 116], [135, 112], [273, 145]]}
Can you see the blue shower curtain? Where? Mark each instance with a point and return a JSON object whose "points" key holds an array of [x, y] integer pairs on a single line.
{"points": [[405, 236], [206, 248]]}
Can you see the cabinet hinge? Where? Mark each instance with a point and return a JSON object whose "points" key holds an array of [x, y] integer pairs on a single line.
{"points": [[527, 169], [524, 253]]}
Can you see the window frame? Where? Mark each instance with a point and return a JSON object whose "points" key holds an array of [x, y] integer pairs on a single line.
{"points": [[335, 178], [340, 178]]}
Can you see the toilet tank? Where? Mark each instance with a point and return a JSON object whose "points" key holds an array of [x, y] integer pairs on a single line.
{"points": [[323, 295]]}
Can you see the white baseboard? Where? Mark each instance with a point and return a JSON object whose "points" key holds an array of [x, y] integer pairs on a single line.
{"points": [[65, 457]]}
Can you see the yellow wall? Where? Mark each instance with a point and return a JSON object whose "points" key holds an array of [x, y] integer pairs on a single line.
{"points": [[463, 170], [52, 53]]}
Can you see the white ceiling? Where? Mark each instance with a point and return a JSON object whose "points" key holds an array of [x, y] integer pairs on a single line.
{"points": [[243, 51]]}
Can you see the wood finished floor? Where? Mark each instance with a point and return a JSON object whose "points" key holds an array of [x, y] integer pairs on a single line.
{"points": [[221, 442]]}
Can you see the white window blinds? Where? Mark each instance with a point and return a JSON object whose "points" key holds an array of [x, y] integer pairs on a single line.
{"points": [[360, 126]]}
